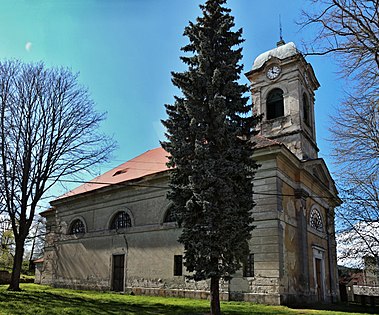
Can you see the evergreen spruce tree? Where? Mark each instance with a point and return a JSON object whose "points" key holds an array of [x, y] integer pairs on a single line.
{"points": [[209, 131]]}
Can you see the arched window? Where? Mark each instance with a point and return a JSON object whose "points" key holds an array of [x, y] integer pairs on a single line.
{"points": [[77, 227], [306, 110], [315, 220], [169, 217], [121, 220], [275, 104]]}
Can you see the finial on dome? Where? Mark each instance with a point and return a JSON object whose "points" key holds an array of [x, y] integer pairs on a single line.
{"points": [[281, 42]]}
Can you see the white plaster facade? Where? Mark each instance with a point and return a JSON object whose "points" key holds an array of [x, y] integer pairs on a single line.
{"points": [[294, 253]]}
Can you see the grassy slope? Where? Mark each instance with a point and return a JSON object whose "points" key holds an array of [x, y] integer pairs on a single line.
{"points": [[43, 300]]}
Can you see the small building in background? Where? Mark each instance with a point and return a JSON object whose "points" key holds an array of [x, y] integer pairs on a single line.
{"points": [[360, 286]]}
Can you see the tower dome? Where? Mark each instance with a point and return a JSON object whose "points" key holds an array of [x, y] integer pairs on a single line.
{"points": [[280, 52]]}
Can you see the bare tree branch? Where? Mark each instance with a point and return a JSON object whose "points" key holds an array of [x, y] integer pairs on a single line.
{"points": [[47, 131], [349, 30]]}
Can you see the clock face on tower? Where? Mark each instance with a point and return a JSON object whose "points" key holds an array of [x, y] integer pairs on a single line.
{"points": [[273, 72]]}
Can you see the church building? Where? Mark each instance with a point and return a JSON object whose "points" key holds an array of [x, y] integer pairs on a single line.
{"points": [[116, 233]]}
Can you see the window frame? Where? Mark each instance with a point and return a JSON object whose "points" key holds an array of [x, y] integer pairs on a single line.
{"points": [[248, 266], [316, 214], [115, 223], [75, 229], [178, 265], [274, 104], [306, 110]]}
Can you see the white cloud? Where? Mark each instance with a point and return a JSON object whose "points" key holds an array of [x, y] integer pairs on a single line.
{"points": [[28, 46], [354, 245]]}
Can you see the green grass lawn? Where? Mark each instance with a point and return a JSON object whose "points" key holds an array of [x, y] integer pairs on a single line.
{"points": [[38, 299]]}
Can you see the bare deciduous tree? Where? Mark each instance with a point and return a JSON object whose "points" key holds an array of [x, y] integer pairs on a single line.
{"points": [[48, 130], [359, 227], [349, 30], [355, 134]]}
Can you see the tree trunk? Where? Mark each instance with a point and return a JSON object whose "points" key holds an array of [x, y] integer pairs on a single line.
{"points": [[215, 296], [17, 266]]}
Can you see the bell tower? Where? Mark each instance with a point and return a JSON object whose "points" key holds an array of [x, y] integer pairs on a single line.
{"points": [[283, 85]]}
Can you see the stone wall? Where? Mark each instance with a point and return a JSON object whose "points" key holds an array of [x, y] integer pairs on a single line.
{"points": [[366, 290]]}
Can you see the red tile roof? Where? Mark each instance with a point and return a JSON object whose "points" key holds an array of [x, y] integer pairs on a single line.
{"points": [[262, 142], [151, 162]]}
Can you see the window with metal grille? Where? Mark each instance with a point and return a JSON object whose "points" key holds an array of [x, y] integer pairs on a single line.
{"points": [[121, 221], [77, 227], [178, 265], [248, 266], [315, 219], [275, 104]]}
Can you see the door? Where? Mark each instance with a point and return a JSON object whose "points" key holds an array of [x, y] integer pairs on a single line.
{"points": [[118, 272], [319, 283]]}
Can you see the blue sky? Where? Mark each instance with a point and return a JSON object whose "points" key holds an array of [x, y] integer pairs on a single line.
{"points": [[125, 50]]}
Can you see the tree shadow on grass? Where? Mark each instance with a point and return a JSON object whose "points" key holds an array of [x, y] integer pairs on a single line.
{"points": [[48, 303], [341, 307]]}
